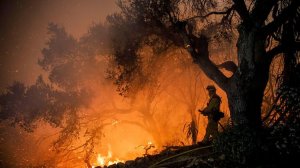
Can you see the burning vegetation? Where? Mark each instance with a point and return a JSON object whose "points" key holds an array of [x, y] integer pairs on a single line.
{"points": [[132, 88], [84, 111]]}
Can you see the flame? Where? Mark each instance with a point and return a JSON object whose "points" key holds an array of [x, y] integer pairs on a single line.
{"points": [[109, 154], [101, 160], [107, 160]]}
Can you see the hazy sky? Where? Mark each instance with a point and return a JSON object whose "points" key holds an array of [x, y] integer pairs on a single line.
{"points": [[23, 31]]}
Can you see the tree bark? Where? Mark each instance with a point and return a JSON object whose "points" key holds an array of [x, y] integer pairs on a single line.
{"points": [[246, 87]]}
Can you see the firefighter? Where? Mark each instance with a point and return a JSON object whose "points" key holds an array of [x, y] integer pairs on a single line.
{"points": [[213, 107]]}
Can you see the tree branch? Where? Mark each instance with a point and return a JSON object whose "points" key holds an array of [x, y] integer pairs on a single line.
{"points": [[200, 55], [274, 51], [229, 66], [212, 72], [261, 10], [281, 18], [241, 9], [280, 49], [227, 12]]}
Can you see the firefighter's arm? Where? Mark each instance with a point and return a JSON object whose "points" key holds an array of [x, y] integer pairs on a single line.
{"points": [[204, 111]]}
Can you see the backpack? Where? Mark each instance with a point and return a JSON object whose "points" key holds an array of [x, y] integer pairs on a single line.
{"points": [[218, 115]]}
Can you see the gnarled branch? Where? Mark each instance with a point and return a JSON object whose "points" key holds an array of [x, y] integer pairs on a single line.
{"points": [[200, 55]]}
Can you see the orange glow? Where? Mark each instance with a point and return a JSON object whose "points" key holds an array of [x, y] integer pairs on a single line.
{"points": [[130, 128], [149, 143], [134, 127]]}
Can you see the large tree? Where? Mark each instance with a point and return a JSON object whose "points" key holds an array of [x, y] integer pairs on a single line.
{"points": [[200, 25]]}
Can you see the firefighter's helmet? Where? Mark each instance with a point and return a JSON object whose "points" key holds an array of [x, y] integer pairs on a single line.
{"points": [[211, 88]]}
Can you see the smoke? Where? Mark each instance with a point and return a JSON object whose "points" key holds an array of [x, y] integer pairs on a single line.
{"points": [[81, 112]]}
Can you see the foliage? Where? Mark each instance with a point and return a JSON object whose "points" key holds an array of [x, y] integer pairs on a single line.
{"points": [[286, 108], [149, 23], [74, 64], [238, 143], [191, 131], [284, 123], [24, 106], [285, 139]]}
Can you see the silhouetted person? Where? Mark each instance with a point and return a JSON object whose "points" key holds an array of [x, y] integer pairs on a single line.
{"points": [[213, 107]]}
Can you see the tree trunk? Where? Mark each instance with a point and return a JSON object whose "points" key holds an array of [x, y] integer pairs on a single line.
{"points": [[246, 87], [245, 102]]}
